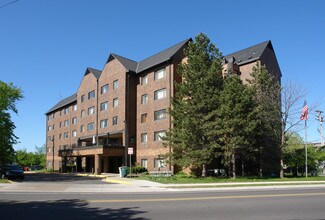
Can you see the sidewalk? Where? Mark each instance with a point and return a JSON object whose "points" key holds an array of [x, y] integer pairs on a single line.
{"points": [[112, 183]]}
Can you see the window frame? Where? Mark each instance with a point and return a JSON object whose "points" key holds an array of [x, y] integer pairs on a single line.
{"points": [[144, 138], [90, 124], [91, 94], [104, 89], [115, 84], [101, 123], [91, 110], [159, 113], [164, 94], [157, 135], [144, 99], [115, 120], [157, 75]]}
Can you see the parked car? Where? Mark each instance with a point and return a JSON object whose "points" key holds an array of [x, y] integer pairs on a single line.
{"points": [[11, 171]]}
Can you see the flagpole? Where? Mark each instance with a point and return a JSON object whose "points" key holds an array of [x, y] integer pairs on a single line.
{"points": [[306, 163]]}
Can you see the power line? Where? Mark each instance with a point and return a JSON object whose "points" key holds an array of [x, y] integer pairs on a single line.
{"points": [[10, 3]]}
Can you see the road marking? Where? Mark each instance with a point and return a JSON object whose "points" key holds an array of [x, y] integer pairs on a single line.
{"points": [[205, 198]]}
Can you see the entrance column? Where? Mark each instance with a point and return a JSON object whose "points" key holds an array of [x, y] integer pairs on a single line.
{"points": [[79, 164], [97, 164], [106, 164]]}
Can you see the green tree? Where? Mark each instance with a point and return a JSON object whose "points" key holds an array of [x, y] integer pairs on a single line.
{"points": [[196, 97], [236, 122], [294, 154], [24, 158], [9, 94], [267, 91]]}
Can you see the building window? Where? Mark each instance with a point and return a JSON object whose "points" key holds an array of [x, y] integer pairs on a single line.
{"points": [[49, 139], [91, 94], [82, 128], [66, 122], [91, 110], [60, 136], [53, 115], [91, 126], [160, 114], [144, 138], [115, 102], [83, 113], [103, 123], [104, 89], [114, 120], [103, 106], [115, 84], [66, 135], [66, 111], [82, 98], [53, 127], [74, 120], [144, 118], [160, 94], [144, 99], [75, 108], [159, 74], [158, 135], [144, 80], [74, 133], [60, 124], [160, 162], [144, 163], [49, 127]]}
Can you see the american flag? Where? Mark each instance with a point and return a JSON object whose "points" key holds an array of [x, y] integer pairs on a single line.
{"points": [[304, 112]]}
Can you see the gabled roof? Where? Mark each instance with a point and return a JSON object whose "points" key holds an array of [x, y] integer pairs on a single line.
{"points": [[152, 61], [95, 72], [250, 54], [127, 63], [63, 103], [160, 57]]}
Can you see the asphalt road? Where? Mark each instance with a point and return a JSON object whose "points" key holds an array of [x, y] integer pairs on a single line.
{"points": [[291, 204]]}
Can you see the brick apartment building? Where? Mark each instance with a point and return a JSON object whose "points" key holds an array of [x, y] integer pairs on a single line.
{"points": [[124, 106]]}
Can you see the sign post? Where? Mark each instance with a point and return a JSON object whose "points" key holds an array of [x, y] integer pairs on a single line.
{"points": [[130, 152]]}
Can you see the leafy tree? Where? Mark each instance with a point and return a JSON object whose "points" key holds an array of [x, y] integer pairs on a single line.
{"points": [[294, 154], [9, 94], [236, 121], [196, 97], [268, 113], [38, 157]]}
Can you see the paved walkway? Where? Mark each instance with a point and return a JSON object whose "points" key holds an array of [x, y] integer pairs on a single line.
{"points": [[115, 184]]}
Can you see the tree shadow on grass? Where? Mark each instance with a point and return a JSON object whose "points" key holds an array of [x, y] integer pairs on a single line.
{"points": [[63, 209]]}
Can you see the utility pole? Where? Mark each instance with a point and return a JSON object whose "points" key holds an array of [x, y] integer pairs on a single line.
{"points": [[320, 118]]}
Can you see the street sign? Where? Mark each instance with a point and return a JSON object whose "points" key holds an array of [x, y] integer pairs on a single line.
{"points": [[130, 150]]}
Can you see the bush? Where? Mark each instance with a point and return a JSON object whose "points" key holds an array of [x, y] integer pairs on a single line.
{"points": [[139, 169]]}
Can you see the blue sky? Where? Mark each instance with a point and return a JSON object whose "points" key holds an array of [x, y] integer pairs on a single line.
{"points": [[45, 46]]}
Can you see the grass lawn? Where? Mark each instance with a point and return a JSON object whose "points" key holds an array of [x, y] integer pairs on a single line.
{"points": [[181, 179], [4, 181]]}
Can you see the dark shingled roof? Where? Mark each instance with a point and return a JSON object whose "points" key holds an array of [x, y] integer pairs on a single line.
{"points": [[152, 61], [95, 72], [249, 54], [127, 63], [63, 103], [160, 57]]}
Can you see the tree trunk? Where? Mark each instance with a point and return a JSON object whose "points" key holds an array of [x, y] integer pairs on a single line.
{"points": [[233, 162], [261, 162], [282, 152], [242, 168], [204, 170]]}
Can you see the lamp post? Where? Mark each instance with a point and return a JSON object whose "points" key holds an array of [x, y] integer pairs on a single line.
{"points": [[53, 153]]}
